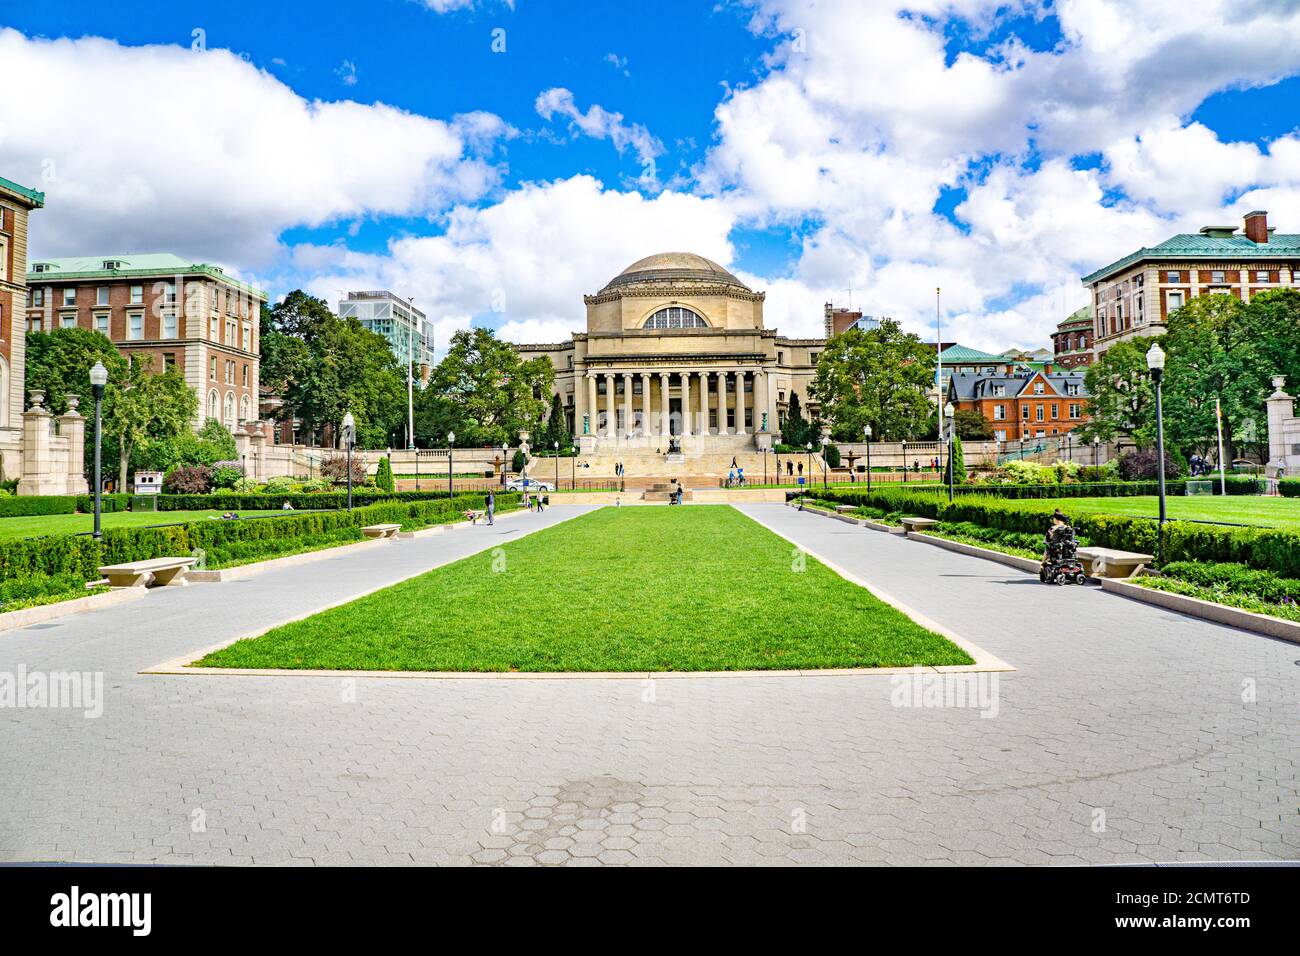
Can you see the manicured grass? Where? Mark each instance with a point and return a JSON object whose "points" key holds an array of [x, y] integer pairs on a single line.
{"points": [[1239, 509], [28, 527], [619, 589]]}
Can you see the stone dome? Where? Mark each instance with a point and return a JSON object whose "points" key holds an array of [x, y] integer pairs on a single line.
{"points": [[675, 267]]}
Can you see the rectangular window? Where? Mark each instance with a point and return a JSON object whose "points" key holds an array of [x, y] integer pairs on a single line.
{"points": [[212, 328], [38, 297], [1216, 275], [246, 383], [1056, 411], [999, 412], [101, 295], [1074, 410], [1174, 301], [34, 325], [68, 321], [137, 295], [69, 296], [1261, 277], [1038, 413], [1024, 412], [999, 390], [1173, 276], [135, 326], [169, 360], [101, 323], [212, 369], [169, 325]]}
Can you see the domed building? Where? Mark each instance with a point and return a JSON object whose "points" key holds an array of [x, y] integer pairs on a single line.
{"points": [[676, 356]]}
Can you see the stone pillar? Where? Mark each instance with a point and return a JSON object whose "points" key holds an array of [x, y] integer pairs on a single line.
{"points": [[647, 426], [704, 403], [593, 409], [611, 416], [722, 404], [773, 420], [1280, 409], [665, 429], [761, 422], [36, 448], [686, 404], [627, 404], [740, 402], [73, 427]]}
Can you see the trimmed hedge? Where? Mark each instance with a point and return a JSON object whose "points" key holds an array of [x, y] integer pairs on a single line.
{"points": [[81, 555], [1289, 487], [29, 505], [1265, 549]]}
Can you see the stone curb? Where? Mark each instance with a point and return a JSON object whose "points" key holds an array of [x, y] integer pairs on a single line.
{"points": [[1207, 610], [26, 617], [179, 668], [1011, 560]]}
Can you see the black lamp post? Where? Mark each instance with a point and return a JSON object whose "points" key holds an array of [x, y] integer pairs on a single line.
{"points": [[825, 441], [451, 442], [1096, 447], [556, 446], [98, 379], [349, 424], [808, 447], [948, 412], [866, 431], [1156, 363]]}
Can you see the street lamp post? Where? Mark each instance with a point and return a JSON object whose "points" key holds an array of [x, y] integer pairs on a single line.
{"points": [[1156, 363], [556, 446], [808, 448], [98, 379], [866, 431], [505, 465], [349, 424], [948, 416], [451, 443], [825, 441], [1096, 447]]}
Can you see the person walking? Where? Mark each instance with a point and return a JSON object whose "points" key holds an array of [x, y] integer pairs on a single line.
{"points": [[740, 475], [491, 508]]}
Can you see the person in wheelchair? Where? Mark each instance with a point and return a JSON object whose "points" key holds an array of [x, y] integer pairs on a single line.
{"points": [[1061, 563]]}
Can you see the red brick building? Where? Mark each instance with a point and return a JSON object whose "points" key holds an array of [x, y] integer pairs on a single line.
{"points": [[1072, 340], [15, 203], [175, 312], [1024, 404], [1134, 296]]}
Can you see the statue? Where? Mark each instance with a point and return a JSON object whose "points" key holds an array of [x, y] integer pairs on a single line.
{"points": [[763, 427], [586, 424]]}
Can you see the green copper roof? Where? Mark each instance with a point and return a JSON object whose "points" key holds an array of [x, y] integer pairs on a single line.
{"points": [[955, 354], [36, 197], [1081, 318], [132, 265], [1188, 246]]}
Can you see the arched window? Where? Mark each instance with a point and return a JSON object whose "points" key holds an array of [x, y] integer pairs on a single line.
{"points": [[244, 409], [675, 317], [230, 410], [214, 404]]}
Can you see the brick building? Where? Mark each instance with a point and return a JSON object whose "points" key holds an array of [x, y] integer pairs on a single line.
{"points": [[15, 203], [1072, 340], [1028, 403], [1133, 297], [175, 312]]}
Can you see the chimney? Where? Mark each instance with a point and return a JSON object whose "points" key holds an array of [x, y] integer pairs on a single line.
{"points": [[1257, 226]]}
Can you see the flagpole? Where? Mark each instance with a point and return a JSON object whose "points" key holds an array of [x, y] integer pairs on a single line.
{"points": [[1218, 425]]}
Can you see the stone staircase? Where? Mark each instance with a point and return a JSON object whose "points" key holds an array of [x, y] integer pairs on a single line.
{"points": [[642, 469]]}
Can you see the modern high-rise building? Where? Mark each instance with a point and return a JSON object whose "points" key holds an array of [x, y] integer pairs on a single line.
{"points": [[409, 332]]}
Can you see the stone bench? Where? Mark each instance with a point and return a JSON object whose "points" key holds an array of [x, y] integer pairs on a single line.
{"points": [[917, 524], [1109, 563], [381, 530], [160, 572], [845, 509]]}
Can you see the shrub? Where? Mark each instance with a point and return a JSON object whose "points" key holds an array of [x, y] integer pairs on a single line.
{"points": [[958, 461], [384, 476], [29, 505], [832, 456], [188, 480], [335, 469], [1139, 465], [1236, 577], [279, 485], [226, 474], [1289, 487], [518, 461]]}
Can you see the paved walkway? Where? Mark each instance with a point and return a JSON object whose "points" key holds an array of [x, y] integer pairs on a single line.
{"points": [[1122, 737]]}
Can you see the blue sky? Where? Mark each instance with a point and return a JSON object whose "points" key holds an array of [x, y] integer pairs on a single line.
{"points": [[996, 149]]}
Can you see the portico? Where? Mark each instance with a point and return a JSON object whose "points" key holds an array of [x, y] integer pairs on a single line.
{"points": [[675, 357]]}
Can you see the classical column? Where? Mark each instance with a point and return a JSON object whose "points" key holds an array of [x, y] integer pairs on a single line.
{"points": [[611, 416], [686, 404], [760, 400], [627, 404], [593, 408], [773, 420], [704, 403], [647, 426], [665, 429], [722, 404], [740, 402]]}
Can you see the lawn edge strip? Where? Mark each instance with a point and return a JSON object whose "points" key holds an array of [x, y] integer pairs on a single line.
{"points": [[975, 551], [1212, 611], [984, 661], [27, 616], [183, 664]]}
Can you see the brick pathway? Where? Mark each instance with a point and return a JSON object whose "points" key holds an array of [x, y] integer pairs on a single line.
{"points": [[1122, 737]]}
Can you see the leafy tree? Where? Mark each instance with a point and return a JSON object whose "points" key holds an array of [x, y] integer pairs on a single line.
{"points": [[958, 460], [518, 461], [146, 407], [1122, 400], [212, 444], [556, 430], [384, 475], [497, 392], [59, 363], [879, 377], [797, 431], [832, 456], [972, 426], [436, 416]]}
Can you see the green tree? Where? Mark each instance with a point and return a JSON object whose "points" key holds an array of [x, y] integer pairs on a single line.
{"points": [[146, 407], [498, 393], [384, 475], [958, 460], [879, 377], [59, 363], [972, 426], [556, 430], [1122, 400], [797, 430], [212, 444]]}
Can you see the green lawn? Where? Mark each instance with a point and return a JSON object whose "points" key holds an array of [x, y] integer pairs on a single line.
{"points": [[1240, 509], [619, 589], [27, 527]]}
